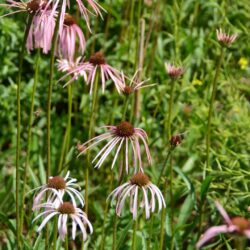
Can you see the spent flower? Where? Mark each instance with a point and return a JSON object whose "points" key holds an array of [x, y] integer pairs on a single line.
{"points": [[174, 72], [150, 193], [224, 38]]}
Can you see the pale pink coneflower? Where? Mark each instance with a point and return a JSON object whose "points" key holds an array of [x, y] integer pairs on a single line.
{"points": [[118, 136], [133, 84], [225, 39], [41, 31], [64, 211], [71, 32], [72, 69], [238, 225], [31, 7], [173, 71], [57, 186], [130, 189]]}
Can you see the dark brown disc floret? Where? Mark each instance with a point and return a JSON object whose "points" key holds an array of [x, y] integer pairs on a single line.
{"points": [[128, 90], [140, 179], [66, 208], [69, 20], [125, 129], [97, 59], [242, 223], [56, 182], [35, 5]]}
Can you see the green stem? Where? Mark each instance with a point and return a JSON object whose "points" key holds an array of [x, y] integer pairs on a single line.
{"points": [[214, 88], [66, 242], [114, 231], [27, 162], [51, 76], [90, 135], [18, 135], [55, 233], [106, 214], [135, 228], [163, 216], [126, 102], [66, 138]]}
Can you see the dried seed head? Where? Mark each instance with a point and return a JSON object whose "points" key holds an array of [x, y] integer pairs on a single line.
{"points": [[97, 59], [127, 90], [125, 129], [34, 5], [66, 208], [176, 139], [140, 179], [241, 223], [56, 182], [69, 20]]}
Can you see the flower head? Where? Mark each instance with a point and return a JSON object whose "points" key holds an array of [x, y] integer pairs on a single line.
{"points": [[225, 39], [65, 210], [150, 194], [133, 84], [118, 136], [57, 186], [71, 32], [175, 140], [238, 225], [173, 71]]}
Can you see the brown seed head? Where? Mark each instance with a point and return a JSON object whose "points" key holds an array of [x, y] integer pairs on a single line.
{"points": [[34, 5], [69, 20], [128, 90], [242, 223], [56, 182], [125, 129], [140, 179], [97, 59], [66, 208], [176, 139]]}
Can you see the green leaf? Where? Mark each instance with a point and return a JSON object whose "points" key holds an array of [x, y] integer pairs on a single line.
{"points": [[204, 188]]}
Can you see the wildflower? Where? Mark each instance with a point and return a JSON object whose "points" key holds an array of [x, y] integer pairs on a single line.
{"points": [[175, 140], [63, 211], [174, 72], [133, 85], [31, 7], [120, 135], [238, 225], [67, 39], [225, 39], [139, 181], [58, 186], [72, 69], [197, 82], [243, 62], [41, 31]]}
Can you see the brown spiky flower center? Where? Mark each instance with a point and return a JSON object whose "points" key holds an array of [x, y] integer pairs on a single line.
{"points": [[56, 182], [66, 208], [97, 59], [242, 223], [34, 5], [127, 90], [140, 179], [125, 129], [69, 20]]}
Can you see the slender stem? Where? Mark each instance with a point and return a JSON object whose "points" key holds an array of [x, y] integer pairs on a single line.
{"points": [[66, 138], [66, 242], [163, 213], [125, 108], [106, 214], [18, 135], [90, 135], [55, 231], [27, 162], [135, 228], [214, 88], [114, 231], [51, 76]]}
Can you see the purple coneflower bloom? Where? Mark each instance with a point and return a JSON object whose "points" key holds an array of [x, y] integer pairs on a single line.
{"points": [[63, 211], [41, 32], [225, 39], [238, 225], [120, 135], [173, 71], [58, 186], [133, 85], [139, 181], [68, 37]]}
